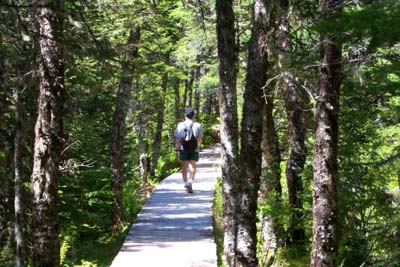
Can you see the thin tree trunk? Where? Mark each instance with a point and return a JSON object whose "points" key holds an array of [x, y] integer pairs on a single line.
{"points": [[198, 73], [208, 101], [141, 124], [143, 168], [296, 160], [184, 104], [178, 112], [297, 153], [18, 200], [270, 187], [141, 127], [118, 128], [3, 91], [48, 135], [325, 210], [214, 104], [251, 136], [160, 122], [189, 90], [229, 124]]}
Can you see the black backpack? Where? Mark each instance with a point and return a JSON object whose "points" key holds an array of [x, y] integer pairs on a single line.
{"points": [[189, 141]]}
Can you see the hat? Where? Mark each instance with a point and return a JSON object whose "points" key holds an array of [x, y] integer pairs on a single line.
{"points": [[189, 112]]}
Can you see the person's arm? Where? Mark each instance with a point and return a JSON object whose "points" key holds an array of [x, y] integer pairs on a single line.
{"points": [[177, 143], [177, 146], [200, 140]]}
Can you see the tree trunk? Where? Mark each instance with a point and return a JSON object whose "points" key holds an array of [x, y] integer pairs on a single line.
{"points": [[48, 135], [184, 104], [143, 168], [325, 232], [160, 122], [197, 93], [2, 92], [270, 187], [251, 136], [118, 128], [187, 100], [178, 111], [18, 200], [208, 101], [297, 153], [229, 124], [296, 160], [140, 129]]}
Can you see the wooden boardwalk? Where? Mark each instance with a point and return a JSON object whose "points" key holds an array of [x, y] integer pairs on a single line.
{"points": [[174, 228]]}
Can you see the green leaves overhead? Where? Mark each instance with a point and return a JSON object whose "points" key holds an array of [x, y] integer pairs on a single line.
{"points": [[376, 22]]}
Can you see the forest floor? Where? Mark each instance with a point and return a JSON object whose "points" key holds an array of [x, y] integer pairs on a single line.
{"points": [[175, 228]]}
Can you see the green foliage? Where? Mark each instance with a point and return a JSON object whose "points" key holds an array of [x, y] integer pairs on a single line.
{"points": [[178, 37], [293, 256], [167, 165], [6, 252], [65, 246], [132, 198], [218, 222], [368, 153]]}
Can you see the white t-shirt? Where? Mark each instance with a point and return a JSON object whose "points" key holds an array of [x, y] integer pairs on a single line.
{"points": [[196, 128]]}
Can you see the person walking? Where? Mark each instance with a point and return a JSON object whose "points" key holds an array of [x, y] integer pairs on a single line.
{"points": [[188, 138]]}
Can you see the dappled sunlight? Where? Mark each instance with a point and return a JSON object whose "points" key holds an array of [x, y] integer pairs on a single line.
{"points": [[175, 227]]}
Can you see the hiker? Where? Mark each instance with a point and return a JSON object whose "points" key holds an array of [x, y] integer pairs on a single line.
{"points": [[188, 137]]}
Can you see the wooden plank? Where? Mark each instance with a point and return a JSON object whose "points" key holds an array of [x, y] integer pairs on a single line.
{"points": [[174, 228]]}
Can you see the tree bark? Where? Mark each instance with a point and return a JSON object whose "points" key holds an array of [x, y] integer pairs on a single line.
{"points": [[229, 123], [188, 95], [118, 128], [270, 187], [325, 232], [48, 135], [297, 148], [2, 93], [143, 168], [18, 200], [296, 160], [197, 94], [140, 128], [251, 136], [178, 112], [160, 122]]}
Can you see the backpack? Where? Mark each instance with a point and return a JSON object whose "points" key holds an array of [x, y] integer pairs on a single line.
{"points": [[188, 140]]}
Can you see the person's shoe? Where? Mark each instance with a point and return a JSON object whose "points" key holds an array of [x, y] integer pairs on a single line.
{"points": [[189, 188]]}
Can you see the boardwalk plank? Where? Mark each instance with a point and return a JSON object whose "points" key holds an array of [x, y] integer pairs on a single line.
{"points": [[174, 228]]}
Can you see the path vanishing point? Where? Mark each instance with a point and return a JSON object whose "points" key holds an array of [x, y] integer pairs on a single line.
{"points": [[174, 228]]}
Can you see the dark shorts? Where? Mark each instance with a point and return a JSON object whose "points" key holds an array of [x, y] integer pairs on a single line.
{"points": [[188, 155]]}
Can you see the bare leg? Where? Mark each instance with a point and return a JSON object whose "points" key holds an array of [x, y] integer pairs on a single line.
{"points": [[192, 169], [184, 164]]}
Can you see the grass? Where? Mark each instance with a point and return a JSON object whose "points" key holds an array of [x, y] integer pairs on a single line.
{"points": [[218, 223]]}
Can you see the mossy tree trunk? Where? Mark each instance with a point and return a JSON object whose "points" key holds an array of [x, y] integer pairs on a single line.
{"points": [[118, 127], [159, 128], [48, 134], [251, 135], [229, 124], [325, 164], [297, 149]]}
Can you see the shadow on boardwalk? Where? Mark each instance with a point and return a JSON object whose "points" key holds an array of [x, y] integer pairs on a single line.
{"points": [[174, 228]]}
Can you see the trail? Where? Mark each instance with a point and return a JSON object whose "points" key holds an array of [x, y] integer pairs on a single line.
{"points": [[174, 228]]}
